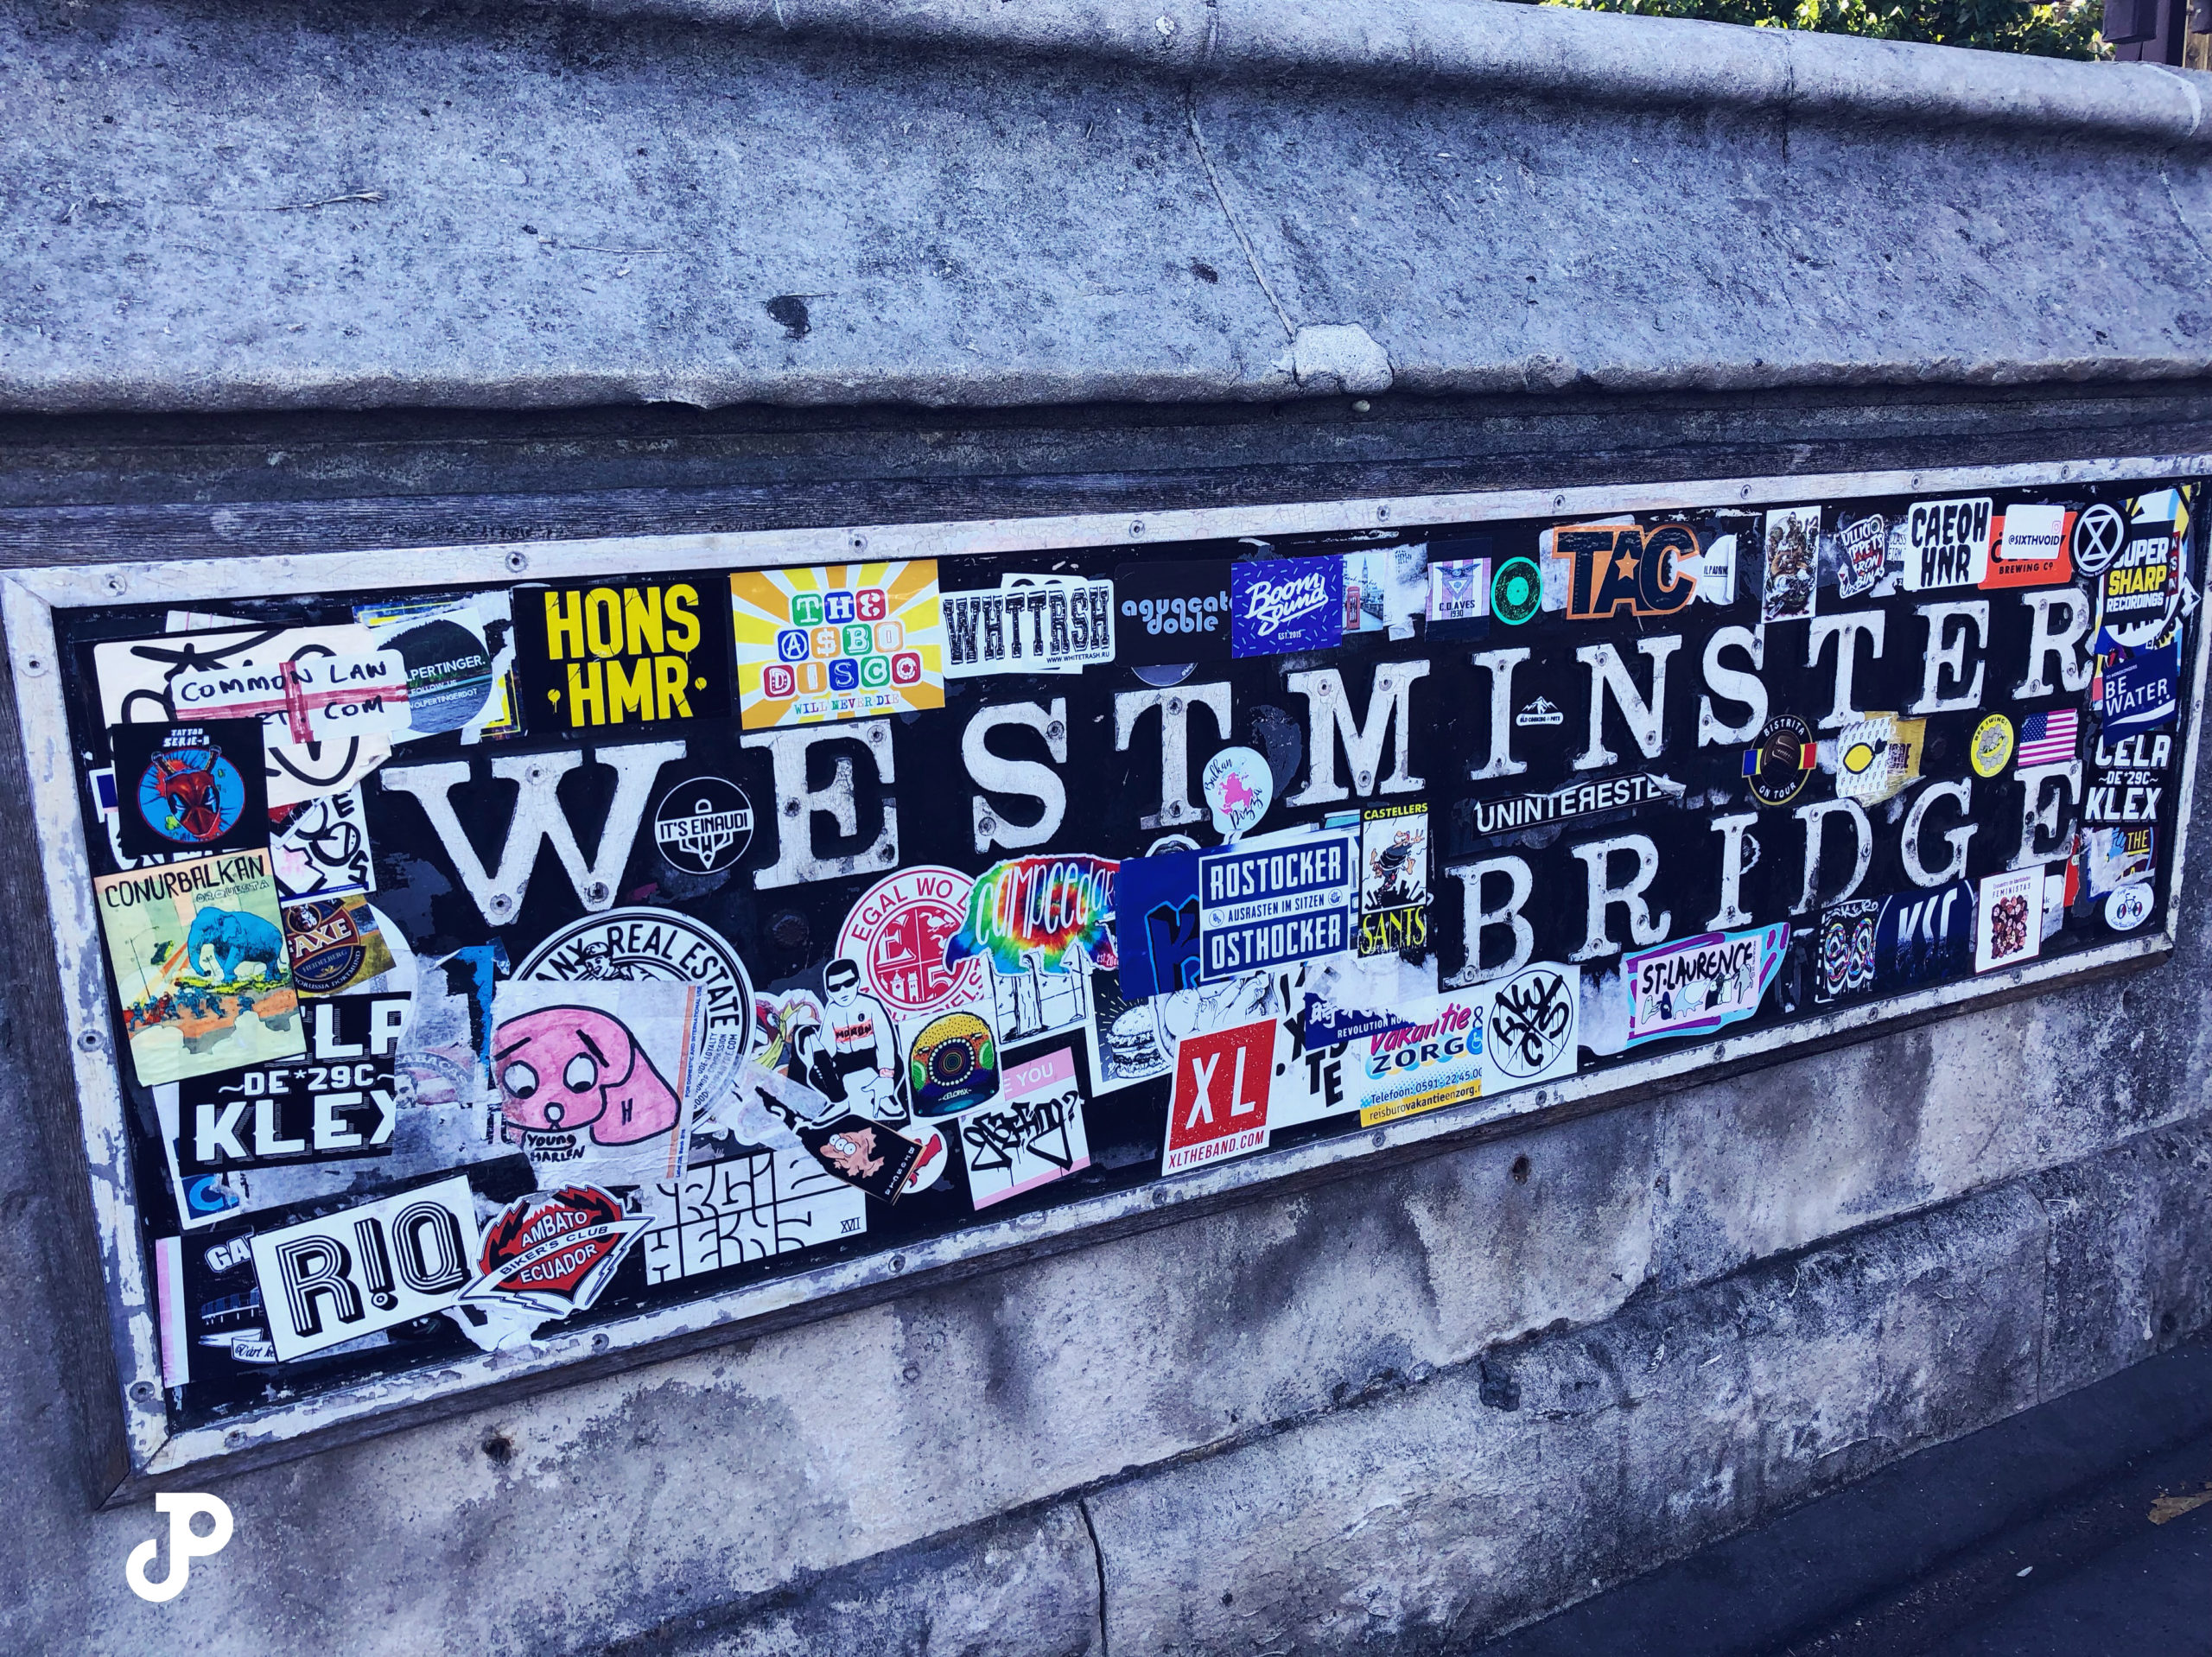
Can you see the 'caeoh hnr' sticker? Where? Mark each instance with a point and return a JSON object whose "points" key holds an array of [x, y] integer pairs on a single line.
{"points": [[844, 641]]}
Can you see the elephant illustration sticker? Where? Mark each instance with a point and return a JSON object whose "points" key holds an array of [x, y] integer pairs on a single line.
{"points": [[198, 950]]}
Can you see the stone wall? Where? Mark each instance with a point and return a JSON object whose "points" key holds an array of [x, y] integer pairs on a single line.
{"points": [[1417, 1404]]}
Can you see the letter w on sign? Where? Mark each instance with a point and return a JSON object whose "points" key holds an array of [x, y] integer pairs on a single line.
{"points": [[537, 817]]}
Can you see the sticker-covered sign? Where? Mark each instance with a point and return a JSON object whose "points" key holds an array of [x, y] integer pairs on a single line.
{"points": [[845, 641]]}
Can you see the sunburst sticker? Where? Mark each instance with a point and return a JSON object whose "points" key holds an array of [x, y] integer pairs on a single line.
{"points": [[844, 641]]}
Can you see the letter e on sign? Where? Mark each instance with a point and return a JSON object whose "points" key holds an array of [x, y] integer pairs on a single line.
{"points": [[1220, 1103]]}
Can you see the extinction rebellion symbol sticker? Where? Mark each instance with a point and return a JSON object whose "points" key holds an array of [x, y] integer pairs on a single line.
{"points": [[703, 826]]}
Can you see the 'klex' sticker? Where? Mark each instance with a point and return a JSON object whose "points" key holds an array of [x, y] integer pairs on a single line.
{"points": [[846, 641], [620, 654], [340, 1276], [1645, 572], [334, 1104]]}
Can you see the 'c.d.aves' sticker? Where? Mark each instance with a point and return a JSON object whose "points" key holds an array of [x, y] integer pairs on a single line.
{"points": [[1776, 769], [619, 653], [703, 825], [198, 787], [843, 641]]}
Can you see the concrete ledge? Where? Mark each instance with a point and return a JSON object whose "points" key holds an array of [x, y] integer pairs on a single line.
{"points": [[1525, 49]]}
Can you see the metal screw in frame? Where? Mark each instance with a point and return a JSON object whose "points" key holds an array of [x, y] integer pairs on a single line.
{"points": [[502, 906], [90, 1041], [518, 562], [144, 1392], [114, 583], [597, 892]]}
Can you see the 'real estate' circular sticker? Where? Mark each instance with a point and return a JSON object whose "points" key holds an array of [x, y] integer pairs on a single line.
{"points": [[1517, 591], [1993, 745], [703, 826], [659, 945]]}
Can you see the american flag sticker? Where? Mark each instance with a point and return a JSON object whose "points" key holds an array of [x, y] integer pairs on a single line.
{"points": [[2049, 738]]}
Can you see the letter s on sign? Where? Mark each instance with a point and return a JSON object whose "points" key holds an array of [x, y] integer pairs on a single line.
{"points": [[184, 1546]]}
